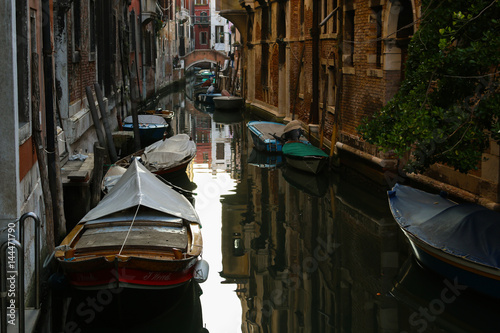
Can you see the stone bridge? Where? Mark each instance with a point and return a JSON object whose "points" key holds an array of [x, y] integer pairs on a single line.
{"points": [[199, 56]]}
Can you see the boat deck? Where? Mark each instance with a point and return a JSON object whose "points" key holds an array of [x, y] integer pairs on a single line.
{"points": [[150, 237]]}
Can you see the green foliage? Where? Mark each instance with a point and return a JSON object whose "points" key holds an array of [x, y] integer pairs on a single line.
{"points": [[448, 106]]}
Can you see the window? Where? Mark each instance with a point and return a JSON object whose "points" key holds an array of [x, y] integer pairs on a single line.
{"points": [[76, 29], [265, 23], [92, 41], [203, 38], [349, 38], [331, 24], [377, 15], [201, 2], [219, 34], [203, 17], [264, 65], [132, 31]]}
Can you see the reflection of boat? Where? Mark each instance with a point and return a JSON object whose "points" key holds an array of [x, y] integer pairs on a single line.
{"points": [[170, 310], [451, 308], [264, 159], [266, 134], [305, 157], [151, 127], [314, 185], [203, 107], [459, 241], [228, 102], [165, 156], [208, 98], [142, 234], [222, 117]]}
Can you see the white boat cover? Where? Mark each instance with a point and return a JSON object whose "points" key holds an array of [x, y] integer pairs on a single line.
{"points": [[166, 154], [138, 186]]}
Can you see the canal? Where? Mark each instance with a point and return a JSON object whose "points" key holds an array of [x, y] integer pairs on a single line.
{"points": [[288, 252]]}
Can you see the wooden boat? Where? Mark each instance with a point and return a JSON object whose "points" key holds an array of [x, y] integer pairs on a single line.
{"points": [[266, 135], [168, 115], [305, 157], [228, 103], [142, 234], [151, 127], [164, 157], [458, 241]]}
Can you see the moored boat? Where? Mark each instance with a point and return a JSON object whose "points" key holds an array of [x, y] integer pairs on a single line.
{"points": [[458, 241], [151, 127], [305, 157], [165, 156], [142, 234], [266, 135], [233, 103]]}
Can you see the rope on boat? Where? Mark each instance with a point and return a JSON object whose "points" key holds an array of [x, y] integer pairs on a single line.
{"points": [[128, 232]]}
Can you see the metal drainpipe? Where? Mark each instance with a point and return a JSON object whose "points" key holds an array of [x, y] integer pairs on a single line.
{"points": [[314, 113]]}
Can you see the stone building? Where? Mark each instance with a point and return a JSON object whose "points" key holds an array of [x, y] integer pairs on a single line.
{"points": [[332, 63]]}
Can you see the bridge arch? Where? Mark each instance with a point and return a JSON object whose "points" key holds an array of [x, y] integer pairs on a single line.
{"points": [[199, 56]]}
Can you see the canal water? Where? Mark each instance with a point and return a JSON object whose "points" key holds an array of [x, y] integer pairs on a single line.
{"points": [[288, 252]]}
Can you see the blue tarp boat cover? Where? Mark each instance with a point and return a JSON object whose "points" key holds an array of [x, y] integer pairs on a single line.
{"points": [[465, 230]]}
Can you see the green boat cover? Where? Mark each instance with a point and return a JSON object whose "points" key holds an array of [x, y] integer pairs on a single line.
{"points": [[299, 149]]}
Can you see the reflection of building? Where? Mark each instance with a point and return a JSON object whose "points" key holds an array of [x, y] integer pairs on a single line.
{"points": [[301, 262]]}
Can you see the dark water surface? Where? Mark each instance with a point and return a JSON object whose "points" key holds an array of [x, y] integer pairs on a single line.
{"points": [[288, 252]]}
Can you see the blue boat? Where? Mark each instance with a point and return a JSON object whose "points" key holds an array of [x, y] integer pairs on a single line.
{"points": [[266, 135], [151, 128], [459, 241]]}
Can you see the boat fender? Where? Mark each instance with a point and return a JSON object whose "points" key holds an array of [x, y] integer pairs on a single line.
{"points": [[201, 269]]}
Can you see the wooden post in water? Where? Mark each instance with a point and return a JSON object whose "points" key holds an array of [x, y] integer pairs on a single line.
{"points": [[105, 121], [99, 156], [95, 117]]}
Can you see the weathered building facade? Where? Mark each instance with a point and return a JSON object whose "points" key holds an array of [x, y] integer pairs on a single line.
{"points": [[330, 64]]}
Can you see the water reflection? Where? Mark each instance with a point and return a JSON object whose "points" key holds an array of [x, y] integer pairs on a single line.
{"points": [[296, 252], [135, 310]]}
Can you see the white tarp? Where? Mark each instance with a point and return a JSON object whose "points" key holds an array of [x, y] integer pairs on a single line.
{"points": [[165, 154], [138, 186]]}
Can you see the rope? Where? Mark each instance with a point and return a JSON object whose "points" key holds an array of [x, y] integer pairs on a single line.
{"points": [[128, 232]]}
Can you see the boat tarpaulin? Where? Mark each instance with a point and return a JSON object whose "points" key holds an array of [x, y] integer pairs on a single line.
{"points": [[164, 154], [466, 230], [300, 149], [138, 186]]}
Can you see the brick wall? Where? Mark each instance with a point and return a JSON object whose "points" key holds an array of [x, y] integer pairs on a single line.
{"points": [[81, 70]]}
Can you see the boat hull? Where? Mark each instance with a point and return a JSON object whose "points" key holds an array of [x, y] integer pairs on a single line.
{"points": [[305, 157], [466, 273], [228, 103], [139, 273], [148, 133], [311, 164]]}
